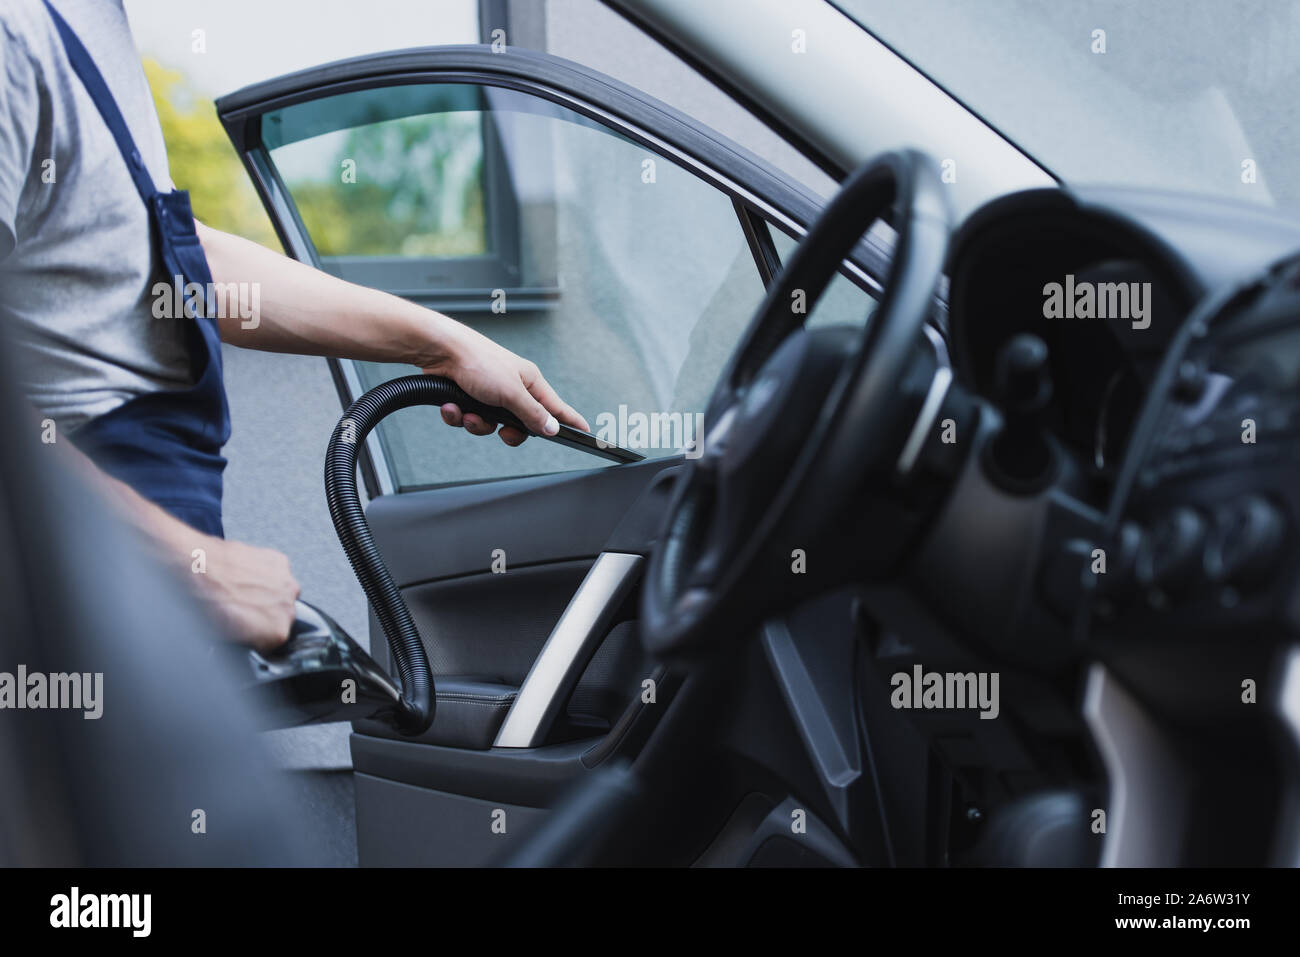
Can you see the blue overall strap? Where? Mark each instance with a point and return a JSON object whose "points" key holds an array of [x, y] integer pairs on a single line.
{"points": [[166, 445], [94, 83]]}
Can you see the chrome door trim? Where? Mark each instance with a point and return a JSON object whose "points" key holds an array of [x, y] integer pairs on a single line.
{"points": [[1146, 808], [567, 651], [1288, 711]]}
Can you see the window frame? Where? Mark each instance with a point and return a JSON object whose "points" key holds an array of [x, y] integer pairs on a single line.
{"points": [[760, 194], [497, 268]]}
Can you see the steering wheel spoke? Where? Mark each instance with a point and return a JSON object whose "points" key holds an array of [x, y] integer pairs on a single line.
{"points": [[789, 417]]}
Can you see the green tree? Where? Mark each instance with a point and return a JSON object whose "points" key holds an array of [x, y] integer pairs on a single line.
{"points": [[202, 159], [405, 199]]}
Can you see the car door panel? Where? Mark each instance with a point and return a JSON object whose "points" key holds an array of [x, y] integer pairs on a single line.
{"points": [[401, 825], [443, 533], [523, 588]]}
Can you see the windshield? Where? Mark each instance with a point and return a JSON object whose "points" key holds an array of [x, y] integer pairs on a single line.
{"points": [[1198, 95]]}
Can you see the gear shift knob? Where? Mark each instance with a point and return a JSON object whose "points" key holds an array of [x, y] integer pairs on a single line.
{"points": [[1023, 381], [1020, 457]]}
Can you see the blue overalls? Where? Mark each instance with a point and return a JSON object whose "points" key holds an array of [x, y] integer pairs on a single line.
{"points": [[165, 445]]}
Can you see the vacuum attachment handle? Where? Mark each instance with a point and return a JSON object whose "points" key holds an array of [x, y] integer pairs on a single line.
{"points": [[573, 438], [413, 712]]}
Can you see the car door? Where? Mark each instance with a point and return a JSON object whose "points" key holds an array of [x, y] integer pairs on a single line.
{"points": [[623, 248]]}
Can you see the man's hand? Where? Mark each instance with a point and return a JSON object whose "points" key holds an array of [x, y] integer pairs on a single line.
{"points": [[496, 376], [250, 589]]}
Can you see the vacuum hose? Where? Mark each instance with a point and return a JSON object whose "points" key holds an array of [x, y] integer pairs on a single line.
{"points": [[414, 712]]}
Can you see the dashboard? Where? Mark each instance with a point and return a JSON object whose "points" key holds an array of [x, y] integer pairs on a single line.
{"points": [[1105, 278], [1171, 330], [1144, 583]]}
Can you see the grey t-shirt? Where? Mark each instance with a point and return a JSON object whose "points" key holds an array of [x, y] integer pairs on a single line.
{"points": [[77, 259]]}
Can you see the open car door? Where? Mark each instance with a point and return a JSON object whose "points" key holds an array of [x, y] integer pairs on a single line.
{"points": [[620, 246]]}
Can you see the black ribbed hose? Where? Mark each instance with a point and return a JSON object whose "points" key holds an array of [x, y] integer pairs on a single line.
{"points": [[414, 712]]}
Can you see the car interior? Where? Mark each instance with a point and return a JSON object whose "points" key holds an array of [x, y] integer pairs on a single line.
{"points": [[712, 652]]}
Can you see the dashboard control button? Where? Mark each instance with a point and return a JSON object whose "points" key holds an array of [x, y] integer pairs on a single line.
{"points": [[1171, 556], [1190, 381], [1246, 538], [1120, 578]]}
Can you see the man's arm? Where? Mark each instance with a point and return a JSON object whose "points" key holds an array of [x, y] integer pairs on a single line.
{"points": [[250, 589], [309, 312]]}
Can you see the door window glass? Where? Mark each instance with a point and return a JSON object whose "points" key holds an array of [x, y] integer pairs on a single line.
{"points": [[624, 276]]}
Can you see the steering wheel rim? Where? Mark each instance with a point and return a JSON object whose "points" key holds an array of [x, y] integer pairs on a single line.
{"points": [[692, 591]]}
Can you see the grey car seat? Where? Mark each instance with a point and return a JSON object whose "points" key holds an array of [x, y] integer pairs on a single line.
{"points": [[173, 772]]}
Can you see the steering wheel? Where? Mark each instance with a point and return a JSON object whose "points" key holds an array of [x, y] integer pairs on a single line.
{"points": [[762, 482], [799, 422]]}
